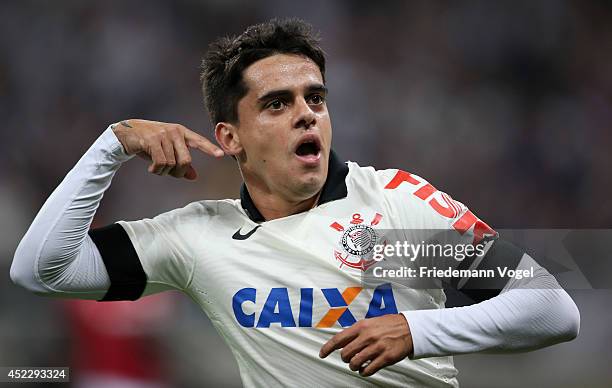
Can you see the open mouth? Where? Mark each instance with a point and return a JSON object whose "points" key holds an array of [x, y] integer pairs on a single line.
{"points": [[309, 149]]}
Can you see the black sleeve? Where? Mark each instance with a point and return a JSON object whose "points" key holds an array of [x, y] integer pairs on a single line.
{"points": [[477, 289], [128, 278]]}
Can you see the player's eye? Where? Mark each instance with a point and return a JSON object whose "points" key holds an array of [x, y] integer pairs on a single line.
{"points": [[316, 99], [275, 104]]}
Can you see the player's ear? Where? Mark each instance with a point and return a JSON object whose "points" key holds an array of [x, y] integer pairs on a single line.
{"points": [[227, 137]]}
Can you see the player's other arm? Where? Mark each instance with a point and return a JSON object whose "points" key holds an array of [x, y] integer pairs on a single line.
{"points": [[527, 314], [511, 315], [57, 256], [521, 315]]}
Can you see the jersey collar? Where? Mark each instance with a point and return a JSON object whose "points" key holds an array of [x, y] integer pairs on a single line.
{"points": [[333, 189]]}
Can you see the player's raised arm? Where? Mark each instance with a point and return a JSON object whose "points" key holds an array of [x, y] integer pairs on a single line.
{"points": [[166, 145], [57, 257]]}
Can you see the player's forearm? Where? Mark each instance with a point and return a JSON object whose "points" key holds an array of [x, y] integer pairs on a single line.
{"points": [[56, 256], [527, 315]]}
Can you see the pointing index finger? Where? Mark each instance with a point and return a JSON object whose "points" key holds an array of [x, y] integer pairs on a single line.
{"points": [[195, 140]]}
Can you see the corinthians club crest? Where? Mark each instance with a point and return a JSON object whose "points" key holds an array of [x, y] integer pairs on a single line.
{"points": [[358, 241]]}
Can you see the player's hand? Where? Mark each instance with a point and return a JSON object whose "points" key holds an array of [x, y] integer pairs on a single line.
{"points": [[166, 145], [372, 344]]}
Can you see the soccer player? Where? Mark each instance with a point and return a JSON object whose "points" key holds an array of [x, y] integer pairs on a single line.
{"points": [[279, 271]]}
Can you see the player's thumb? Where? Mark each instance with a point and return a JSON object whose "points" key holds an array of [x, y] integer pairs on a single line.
{"points": [[191, 174]]}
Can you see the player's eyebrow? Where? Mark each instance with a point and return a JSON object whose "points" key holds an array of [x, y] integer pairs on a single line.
{"points": [[316, 88], [313, 88]]}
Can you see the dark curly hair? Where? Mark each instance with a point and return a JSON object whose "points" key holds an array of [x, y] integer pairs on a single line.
{"points": [[226, 59]]}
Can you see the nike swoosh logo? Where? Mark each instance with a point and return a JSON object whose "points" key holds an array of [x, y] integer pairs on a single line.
{"points": [[238, 236]]}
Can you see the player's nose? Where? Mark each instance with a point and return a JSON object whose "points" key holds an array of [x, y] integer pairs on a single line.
{"points": [[304, 117]]}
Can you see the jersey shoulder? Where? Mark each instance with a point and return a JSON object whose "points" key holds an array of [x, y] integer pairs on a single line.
{"points": [[382, 179], [195, 216], [393, 184], [203, 210], [415, 201]]}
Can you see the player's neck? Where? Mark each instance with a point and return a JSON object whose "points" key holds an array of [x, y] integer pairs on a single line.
{"points": [[272, 206]]}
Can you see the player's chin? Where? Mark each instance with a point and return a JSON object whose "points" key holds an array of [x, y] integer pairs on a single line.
{"points": [[310, 182], [310, 172]]}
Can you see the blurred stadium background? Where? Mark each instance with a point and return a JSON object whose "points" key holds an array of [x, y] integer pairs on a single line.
{"points": [[505, 105]]}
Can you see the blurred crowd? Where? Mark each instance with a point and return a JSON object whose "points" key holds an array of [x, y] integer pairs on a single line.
{"points": [[507, 106]]}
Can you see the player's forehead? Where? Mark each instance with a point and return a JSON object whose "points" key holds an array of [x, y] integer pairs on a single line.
{"points": [[281, 71]]}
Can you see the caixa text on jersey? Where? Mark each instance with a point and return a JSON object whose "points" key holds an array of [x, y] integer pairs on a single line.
{"points": [[278, 310]]}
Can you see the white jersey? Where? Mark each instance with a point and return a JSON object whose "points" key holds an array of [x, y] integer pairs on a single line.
{"points": [[278, 290]]}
